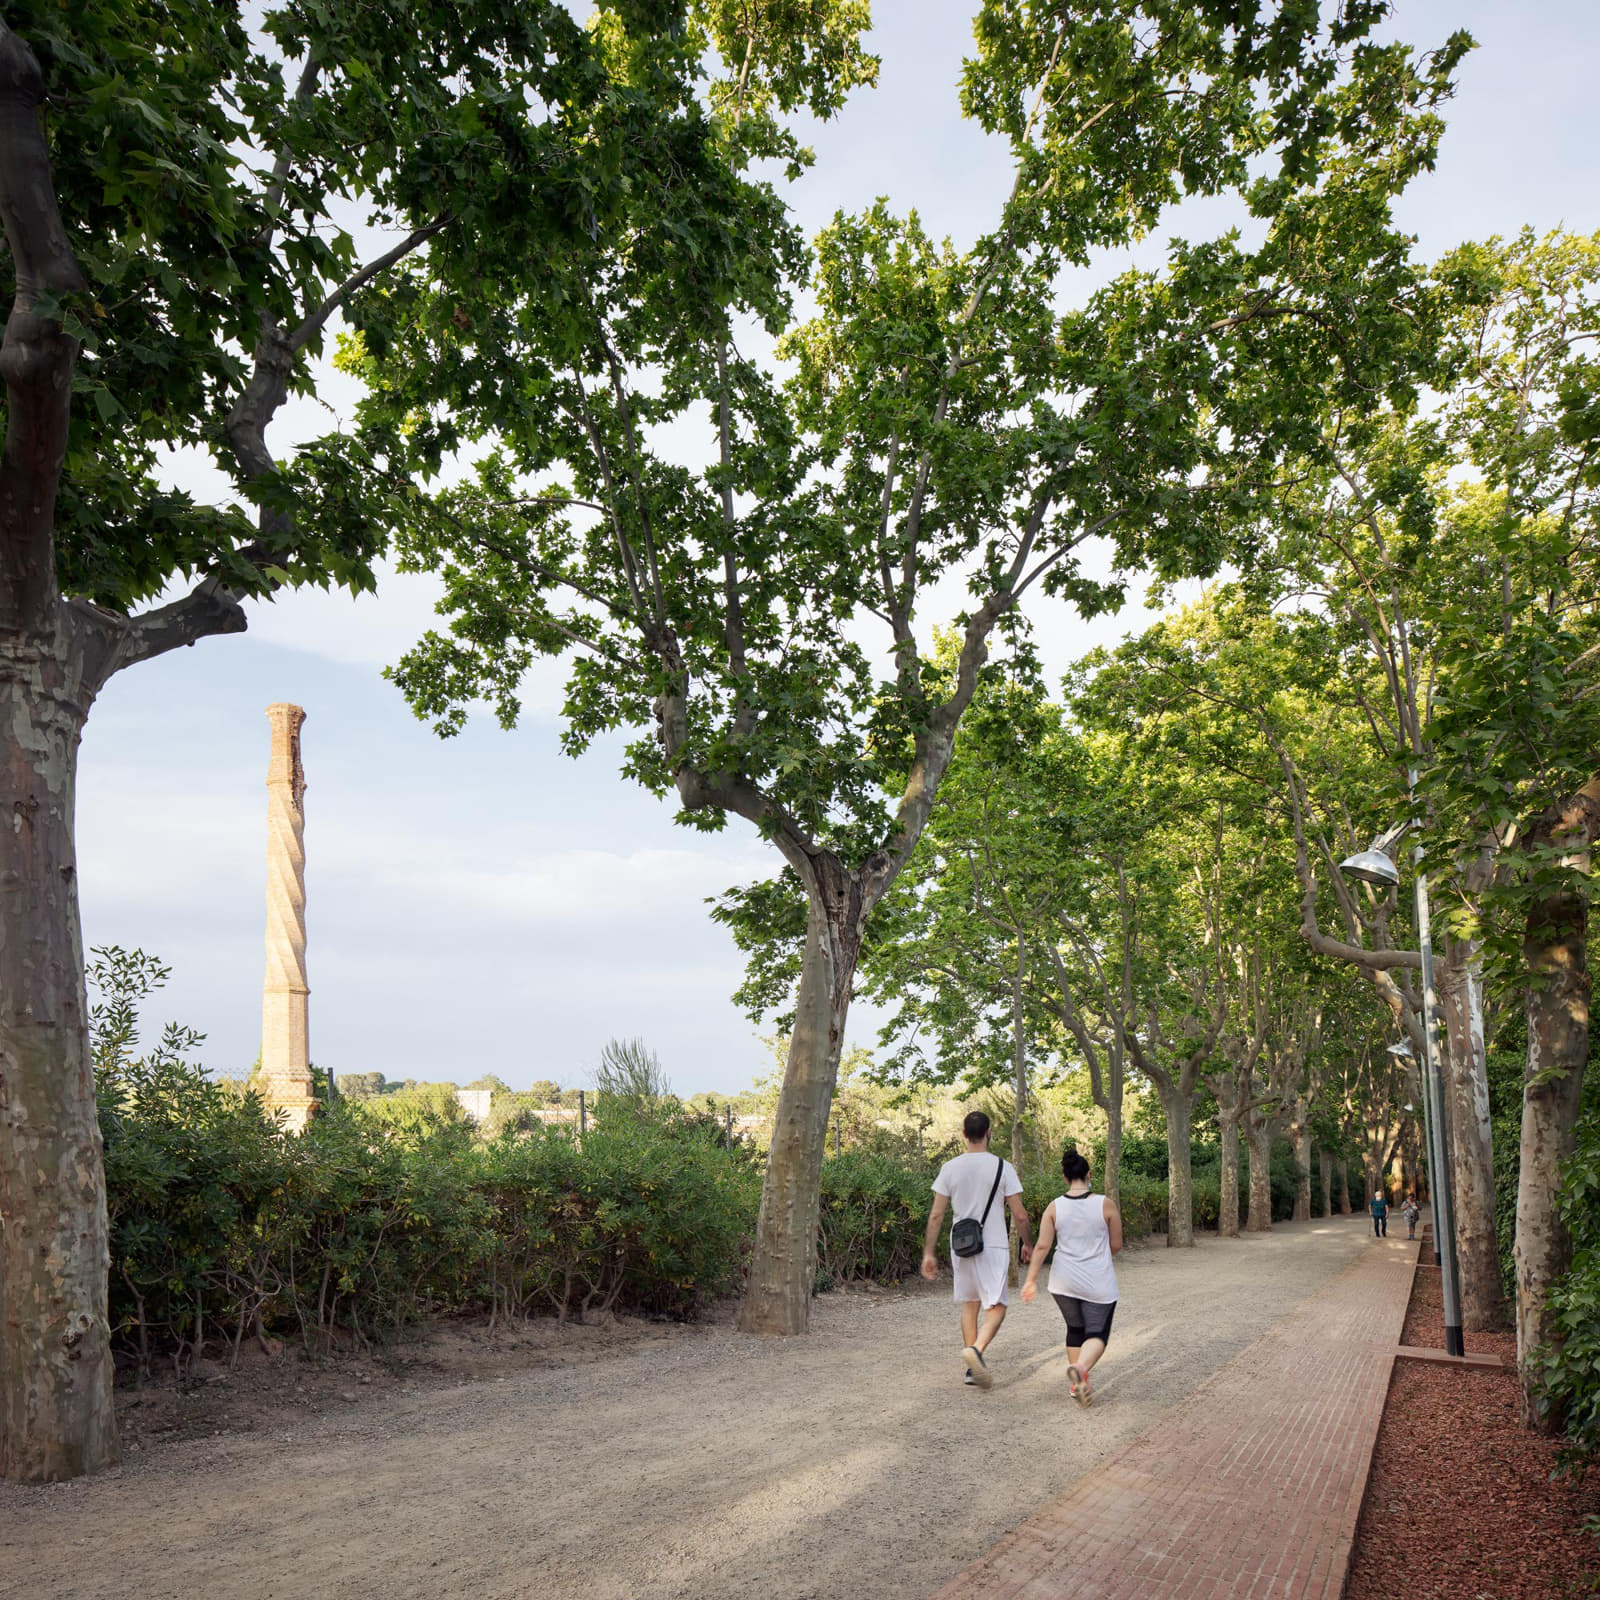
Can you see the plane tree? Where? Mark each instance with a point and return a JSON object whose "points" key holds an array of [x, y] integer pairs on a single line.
{"points": [[192, 199], [750, 613], [1519, 721]]}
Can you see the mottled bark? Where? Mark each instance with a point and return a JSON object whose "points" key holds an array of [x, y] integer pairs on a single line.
{"points": [[1302, 1186], [1228, 1211], [1259, 1216], [1179, 1108], [1465, 1071], [1558, 1051], [1342, 1170], [783, 1267], [1112, 1179], [1325, 1173], [56, 1413], [1019, 1055]]}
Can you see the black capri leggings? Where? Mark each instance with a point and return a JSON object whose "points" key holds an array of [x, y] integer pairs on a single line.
{"points": [[1086, 1319]]}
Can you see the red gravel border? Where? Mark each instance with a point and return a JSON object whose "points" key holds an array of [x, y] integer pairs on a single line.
{"points": [[1460, 1504]]}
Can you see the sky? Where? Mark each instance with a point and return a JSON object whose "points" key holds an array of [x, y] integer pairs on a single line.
{"points": [[485, 904]]}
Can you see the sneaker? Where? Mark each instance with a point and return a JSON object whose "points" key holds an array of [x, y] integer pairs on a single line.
{"points": [[977, 1368], [967, 1378]]}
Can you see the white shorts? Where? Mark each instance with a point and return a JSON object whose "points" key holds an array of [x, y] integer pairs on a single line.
{"points": [[982, 1277]]}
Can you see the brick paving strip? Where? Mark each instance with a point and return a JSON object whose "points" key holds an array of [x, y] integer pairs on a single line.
{"points": [[1249, 1488]]}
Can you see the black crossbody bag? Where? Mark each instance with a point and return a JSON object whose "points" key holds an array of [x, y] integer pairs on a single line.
{"points": [[966, 1236]]}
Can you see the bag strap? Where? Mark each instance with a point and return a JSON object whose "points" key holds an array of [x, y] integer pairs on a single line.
{"points": [[1000, 1172]]}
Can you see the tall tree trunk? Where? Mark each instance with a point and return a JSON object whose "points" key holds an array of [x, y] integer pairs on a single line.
{"points": [[784, 1263], [1112, 1178], [1179, 1108], [1019, 1057], [1302, 1182], [1259, 1141], [1342, 1168], [1558, 1051], [56, 1413], [1325, 1172], [1466, 1071], [1228, 1210]]}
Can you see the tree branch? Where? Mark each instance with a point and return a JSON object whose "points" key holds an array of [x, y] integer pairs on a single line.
{"points": [[358, 280], [112, 642]]}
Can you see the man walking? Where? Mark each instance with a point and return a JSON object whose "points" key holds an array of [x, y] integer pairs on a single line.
{"points": [[970, 1186], [1380, 1215]]}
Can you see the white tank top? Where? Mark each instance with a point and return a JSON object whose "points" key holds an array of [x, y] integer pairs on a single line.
{"points": [[1081, 1266]]}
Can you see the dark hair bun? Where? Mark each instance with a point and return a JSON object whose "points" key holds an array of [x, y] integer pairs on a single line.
{"points": [[1073, 1166]]}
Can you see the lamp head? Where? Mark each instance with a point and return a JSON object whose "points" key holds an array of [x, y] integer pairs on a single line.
{"points": [[1402, 1051], [1372, 866]]}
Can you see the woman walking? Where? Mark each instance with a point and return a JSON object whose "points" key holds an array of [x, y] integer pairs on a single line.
{"points": [[1086, 1230]]}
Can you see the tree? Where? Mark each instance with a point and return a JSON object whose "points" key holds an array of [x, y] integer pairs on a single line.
{"points": [[360, 1085], [1213, 859], [630, 1080], [1297, 704], [1374, 1086], [1520, 723], [181, 197], [944, 421], [1373, 563]]}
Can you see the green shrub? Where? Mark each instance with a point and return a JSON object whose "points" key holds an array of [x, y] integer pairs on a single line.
{"points": [[191, 1170], [1569, 1371], [1143, 1156], [1143, 1203], [1285, 1180], [874, 1213], [223, 1223], [1206, 1187]]}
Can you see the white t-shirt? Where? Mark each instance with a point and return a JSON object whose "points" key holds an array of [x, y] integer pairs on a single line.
{"points": [[967, 1180]]}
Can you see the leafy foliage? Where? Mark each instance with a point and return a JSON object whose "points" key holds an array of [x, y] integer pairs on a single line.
{"points": [[1569, 1372]]}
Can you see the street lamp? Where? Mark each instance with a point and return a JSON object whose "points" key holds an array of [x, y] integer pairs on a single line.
{"points": [[1376, 865]]}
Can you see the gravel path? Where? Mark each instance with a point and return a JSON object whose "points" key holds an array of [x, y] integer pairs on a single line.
{"points": [[705, 1465]]}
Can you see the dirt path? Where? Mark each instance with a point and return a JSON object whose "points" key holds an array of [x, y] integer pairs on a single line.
{"points": [[706, 1464]]}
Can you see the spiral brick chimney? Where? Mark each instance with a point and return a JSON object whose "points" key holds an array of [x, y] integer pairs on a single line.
{"points": [[286, 1082]]}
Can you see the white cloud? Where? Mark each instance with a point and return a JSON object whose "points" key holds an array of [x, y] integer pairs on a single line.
{"points": [[569, 888]]}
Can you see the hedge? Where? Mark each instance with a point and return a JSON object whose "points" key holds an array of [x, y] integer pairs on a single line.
{"points": [[222, 1224], [225, 1227]]}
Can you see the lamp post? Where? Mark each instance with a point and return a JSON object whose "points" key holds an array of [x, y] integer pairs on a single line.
{"points": [[1375, 865]]}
